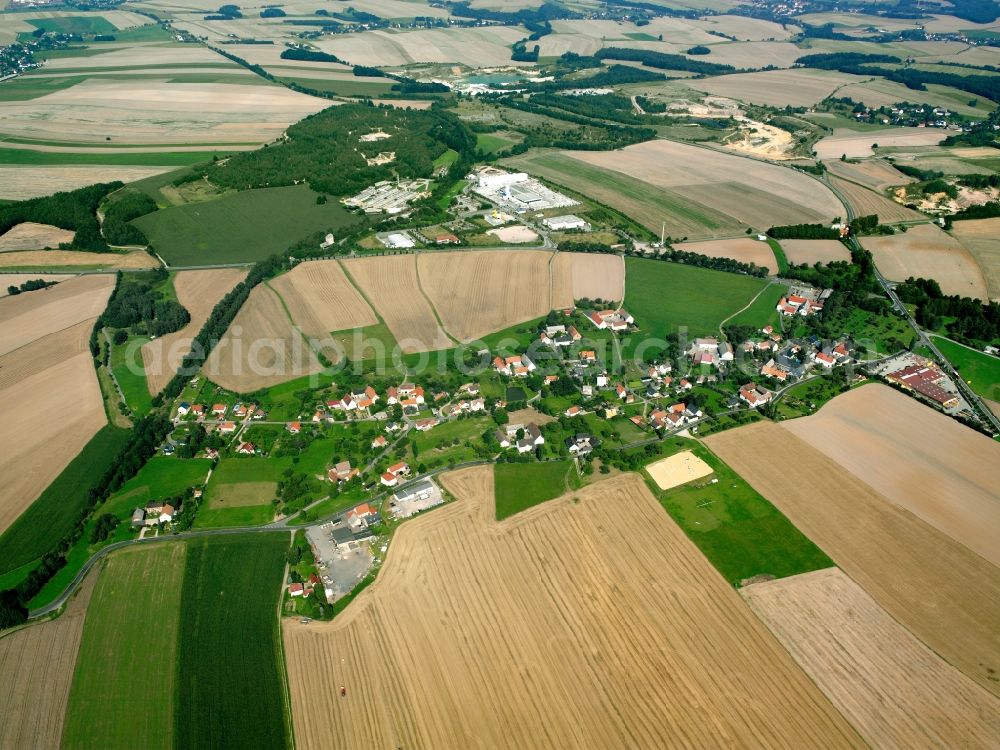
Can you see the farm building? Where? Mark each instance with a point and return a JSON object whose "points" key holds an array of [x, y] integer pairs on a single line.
{"points": [[564, 223]]}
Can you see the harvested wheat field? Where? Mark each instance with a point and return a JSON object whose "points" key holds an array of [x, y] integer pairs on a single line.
{"points": [[476, 47], [199, 292], [590, 275], [16, 279], [32, 315], [801, 87], [865, 202], [484, 634], [938, 589], [260, 348], [678, 469], [479, 292], [981, 237], [893, 689], [77, 259], [321, 299], [36, 672], [44, 352], [31, 236], [855, 145], [815, 251], [20, 183], [872, 173], [390, 283], [880, 436], [927, 251], [743, 249]]}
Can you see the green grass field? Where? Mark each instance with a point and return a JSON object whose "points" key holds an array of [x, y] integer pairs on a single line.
{"points": [[243, 227], [106, 157], [230, 674], [981, 371], [367, 343], [740, 532], [664, 296], [244, 515], [435, 447], [520, 486], [53, 514], [74, 25], [160, 478], [123, 688], [127, 366], [344, 86], [763, 311], [489, 143]]}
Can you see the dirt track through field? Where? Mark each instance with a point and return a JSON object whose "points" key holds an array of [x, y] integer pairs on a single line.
{"points": [[321, 299], [199, 292], [555, 628], [894, 690], [880, 436], [941, 591], [36, 672]]}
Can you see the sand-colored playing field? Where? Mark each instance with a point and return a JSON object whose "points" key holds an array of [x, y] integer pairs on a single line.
{"points": [[866, 202], [390, 283], [678, 469], [777, 88], [16, 279], [590, 275], [480, 292], [36, 672], [815, 251], [981, 237], [486, 634], [872, 173], [260, 348], [514, 235], [31, 236], [880, 435], [23, 181], [477, 47], [157, 112], [752, 193], [856, 145], [76, 258], [893, 689], [927, 251], [321, 299], [743, 249], [941, 591], [199, 292]]}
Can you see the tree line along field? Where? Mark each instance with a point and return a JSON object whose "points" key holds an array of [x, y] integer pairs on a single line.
{"points": [[476, 628]]}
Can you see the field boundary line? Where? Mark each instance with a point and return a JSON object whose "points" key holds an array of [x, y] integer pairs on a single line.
{"points": [[748, 305], [437, 315]]}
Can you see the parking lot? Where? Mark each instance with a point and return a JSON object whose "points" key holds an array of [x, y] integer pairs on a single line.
{"points": [[340, 568]]}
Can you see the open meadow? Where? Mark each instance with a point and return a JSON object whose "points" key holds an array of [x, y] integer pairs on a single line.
{"points": [[199, 292], [892, 688], [981, 237], [744, 249], [980, 370], [927, 251], [433, 655], [36, 672], [815, 251], [128, 653], [938, 589]]}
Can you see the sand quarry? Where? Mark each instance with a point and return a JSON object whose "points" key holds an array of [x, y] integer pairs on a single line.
{"points": [[927, 251], [678, 469], [484, 634]]}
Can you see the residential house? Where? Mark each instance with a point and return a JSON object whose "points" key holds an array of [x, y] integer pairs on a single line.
{"points": [[197, 410], [772, 370], [615, 320], [684, 385], [588, 355], [211, 453], [423, 425], [518, 366], [247, 449], [342, 472], [361, 516], [167, 513], [295, 589], [294, 427], [471, 388], [379, 442], [754, 395], [580, 444], [183, 408], [219, 409], [826, 360], [573, 411], [227, 428]]}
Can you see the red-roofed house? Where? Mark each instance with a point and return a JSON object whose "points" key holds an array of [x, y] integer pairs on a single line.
{"points": [[294, 427], [827, 360], [379, 442], [247, 449], [754, 395]]}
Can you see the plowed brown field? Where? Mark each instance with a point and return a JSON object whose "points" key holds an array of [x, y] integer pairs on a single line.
{"points": [[390, 284], [28, 317], [591, 275], [865, 202], [981, 237], [480, 292], [16, 279], [942, 592], [321, 299], [36, 671], [556, 628], [260, 348], [815, 251], [893, 689], [199, 292], [872, 173], [76, 259]]}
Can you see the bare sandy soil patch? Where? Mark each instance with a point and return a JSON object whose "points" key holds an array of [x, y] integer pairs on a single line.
{"points": [[880, 436], [30, 316], [857, 145], [866, 202], [893, 689], [744, 249], [260, 348], [390, 284], [475, 630], [480, 292], [516, 235], [321, 299], [68, 258], [199, 292], [759, 139], [36, 673], [529, 416], [678, 469], [777, 88], [16, 279], [815, 251], [475, 47], [981, 237], [872, 173], [31, 236], [23, 182], [590, 275], [927, 251], [941, 591]]}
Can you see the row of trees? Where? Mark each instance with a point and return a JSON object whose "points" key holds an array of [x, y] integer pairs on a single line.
{"points": [[969, 320], [75, 210]]}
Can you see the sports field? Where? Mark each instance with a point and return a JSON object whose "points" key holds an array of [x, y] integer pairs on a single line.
{"points": [[475, 629], [678, 469]]}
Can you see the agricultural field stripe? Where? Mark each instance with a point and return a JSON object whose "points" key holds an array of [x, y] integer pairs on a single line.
{"points": [[28, 157], [437, 315]]}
